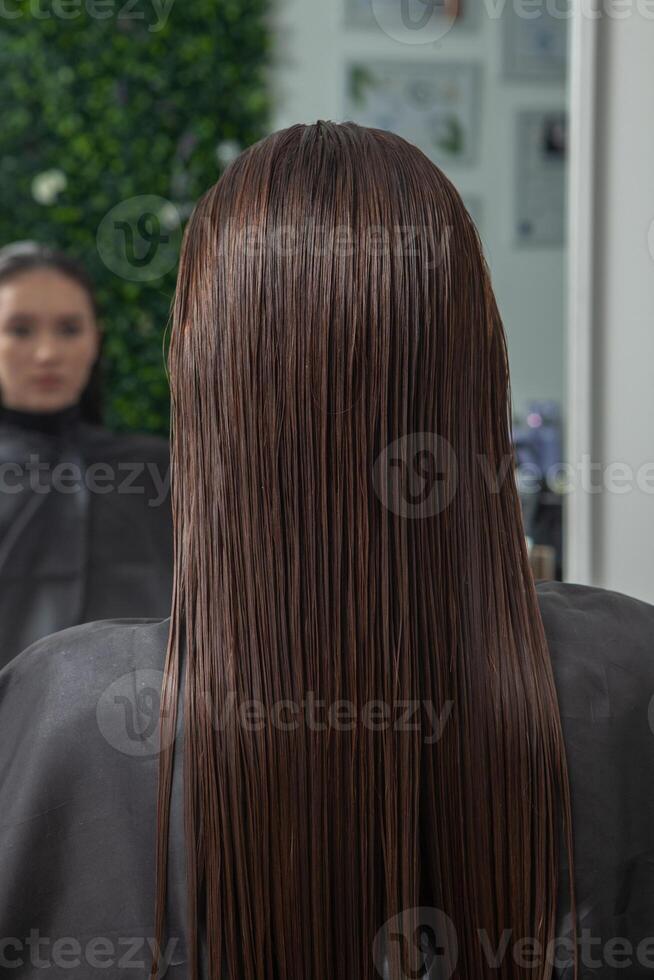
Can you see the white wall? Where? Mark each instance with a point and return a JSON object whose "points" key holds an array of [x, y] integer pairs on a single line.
{"points": [[621, 548], [314, 45]]}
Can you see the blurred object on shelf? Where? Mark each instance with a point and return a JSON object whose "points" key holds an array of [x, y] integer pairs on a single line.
{"points": [[542, 560], [538, 443]]}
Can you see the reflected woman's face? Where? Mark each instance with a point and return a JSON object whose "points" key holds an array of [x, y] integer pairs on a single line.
{"points": [[49, 340]]}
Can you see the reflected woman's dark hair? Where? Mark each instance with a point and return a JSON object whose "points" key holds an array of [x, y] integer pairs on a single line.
{"points": [[28, 256]]}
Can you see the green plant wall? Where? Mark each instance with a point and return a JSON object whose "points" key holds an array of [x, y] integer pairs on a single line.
{"points": [[116, 117]]}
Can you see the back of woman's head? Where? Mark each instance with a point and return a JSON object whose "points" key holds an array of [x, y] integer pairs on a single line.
{"points": [[351, 577]]}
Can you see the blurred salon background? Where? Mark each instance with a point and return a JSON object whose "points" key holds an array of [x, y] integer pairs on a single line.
{"points": [[117, 116]]}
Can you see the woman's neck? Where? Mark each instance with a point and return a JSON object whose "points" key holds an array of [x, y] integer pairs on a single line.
{"points": [[51, 423]]}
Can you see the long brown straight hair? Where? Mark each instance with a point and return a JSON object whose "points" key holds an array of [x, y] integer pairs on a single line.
{"points": [[335, 343]]}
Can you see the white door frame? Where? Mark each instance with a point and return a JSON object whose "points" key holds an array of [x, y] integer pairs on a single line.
{"points": [[578, 508]]}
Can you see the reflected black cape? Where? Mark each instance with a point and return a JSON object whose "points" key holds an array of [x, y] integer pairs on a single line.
{"points": [[78, 777], [75, 549]]}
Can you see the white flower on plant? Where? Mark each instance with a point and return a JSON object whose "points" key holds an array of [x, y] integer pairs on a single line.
{"points": [[169, 215], [185, 208], [48, 185], [227, 151]]}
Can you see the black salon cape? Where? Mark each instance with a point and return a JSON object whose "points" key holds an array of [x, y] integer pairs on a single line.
{"points": [[97, 547], [78, 790]]}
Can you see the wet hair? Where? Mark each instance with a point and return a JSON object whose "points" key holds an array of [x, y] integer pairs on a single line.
{"points": [[326, 384], [21, 257]]}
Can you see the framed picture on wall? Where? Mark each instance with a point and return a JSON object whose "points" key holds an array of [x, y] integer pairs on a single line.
{"points": [[435, 105], [541, 155], [534, 47]]}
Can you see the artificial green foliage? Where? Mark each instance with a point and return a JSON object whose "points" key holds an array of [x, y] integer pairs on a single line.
{"points": [[123, 99]]}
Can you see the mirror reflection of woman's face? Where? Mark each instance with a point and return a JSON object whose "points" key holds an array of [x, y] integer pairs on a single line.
{"points": [[49, 340]]}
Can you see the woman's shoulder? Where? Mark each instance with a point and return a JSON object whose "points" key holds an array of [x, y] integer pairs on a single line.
{"points": [[601, 644], [65, 675], [79, 714], [573, 611]]}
